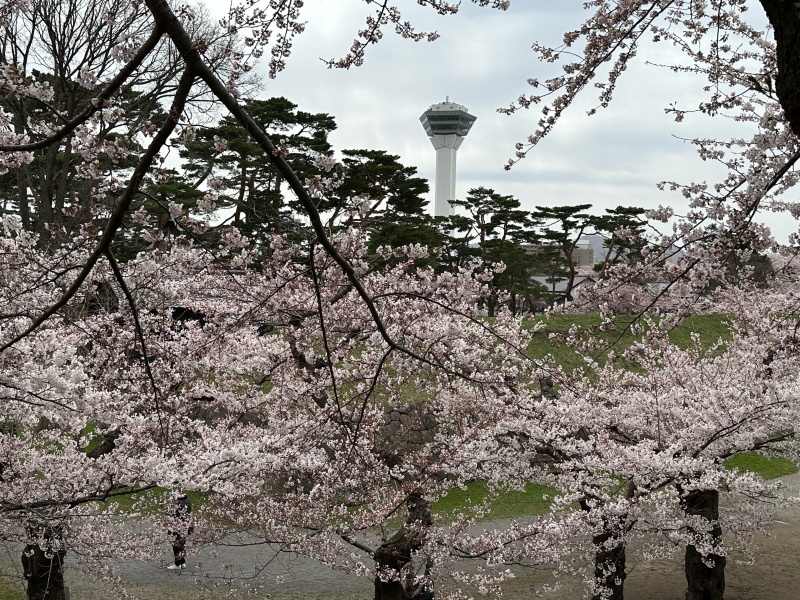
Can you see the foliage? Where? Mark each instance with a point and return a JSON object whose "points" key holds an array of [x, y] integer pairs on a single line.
{"points": [[624, 230], [242, 176], [267, 366], [500, 232], [388, 198]]}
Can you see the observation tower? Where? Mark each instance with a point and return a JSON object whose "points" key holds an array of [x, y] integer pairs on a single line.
{"points": [[446, 123]]}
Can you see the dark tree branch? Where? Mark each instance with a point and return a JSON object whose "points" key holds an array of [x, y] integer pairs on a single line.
{"points": [[115, 221], [98, 102], [172, 26], [6, 507], [139, 333]]}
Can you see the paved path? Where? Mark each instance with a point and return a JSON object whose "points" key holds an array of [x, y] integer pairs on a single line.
{"points": [[246, 564], [213, 572], [258, 570]]}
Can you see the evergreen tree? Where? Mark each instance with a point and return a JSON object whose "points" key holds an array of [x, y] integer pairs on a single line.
{"points": [[499, 231], [623, 229], [563, 227], [225, 158], [390, 197]]}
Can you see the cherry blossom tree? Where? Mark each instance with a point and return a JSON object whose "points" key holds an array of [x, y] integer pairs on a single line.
{"points": [[268, 391], [290, 431], [311, 397], [747, 74], [636, 447]]}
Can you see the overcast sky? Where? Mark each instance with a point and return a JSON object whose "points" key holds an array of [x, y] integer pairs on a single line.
{"points": [[482, 61]]}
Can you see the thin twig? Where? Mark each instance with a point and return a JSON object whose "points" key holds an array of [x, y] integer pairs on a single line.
{"points": [[97, 102], [115, 221], [139, 333]]}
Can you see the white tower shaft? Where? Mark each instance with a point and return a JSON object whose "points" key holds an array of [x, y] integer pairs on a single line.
{"points": [[446, 146]]}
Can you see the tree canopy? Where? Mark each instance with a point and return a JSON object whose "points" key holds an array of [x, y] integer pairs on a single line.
{"points": [[313, 369]]}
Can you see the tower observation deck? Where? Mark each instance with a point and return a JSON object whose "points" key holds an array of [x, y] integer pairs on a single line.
{"points": [[446, 123]]}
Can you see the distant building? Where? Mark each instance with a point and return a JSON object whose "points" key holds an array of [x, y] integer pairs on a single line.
{"points": [[557, 287], [447, 124], [583, 255]]}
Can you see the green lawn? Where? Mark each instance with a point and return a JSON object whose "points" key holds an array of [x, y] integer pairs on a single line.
{"points": [[709, 328], [12, 591], [768, 468], [156, 501], [530, 501]]}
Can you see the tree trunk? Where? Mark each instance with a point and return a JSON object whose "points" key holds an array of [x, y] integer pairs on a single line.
{"points": [[491, 304], [396, 552], [43, 572], [570, 276], [785, 20], [704, 582], [389, 590], [609, 566], [22, 199], [609, 557]]}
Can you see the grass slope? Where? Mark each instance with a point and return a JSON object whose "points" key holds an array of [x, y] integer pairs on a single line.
{"points": [[546, 342], [766, 467], [530, 501]]}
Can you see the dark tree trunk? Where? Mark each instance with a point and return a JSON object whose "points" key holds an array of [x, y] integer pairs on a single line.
{"points": [[491, 304], [43, 572], [704, 582], [609, 566], [609, 557], [22, 199], [389, 590], [784, 17], [570, 276], [395, 553]]}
